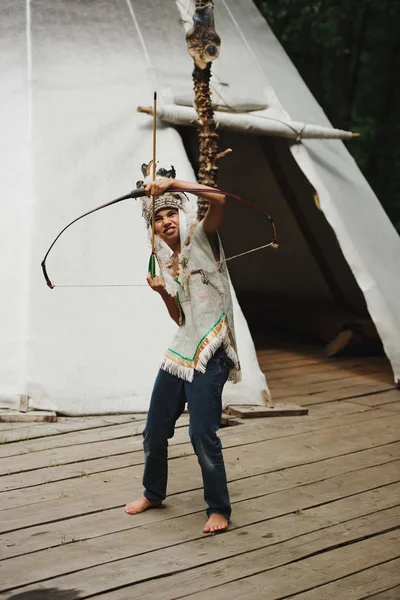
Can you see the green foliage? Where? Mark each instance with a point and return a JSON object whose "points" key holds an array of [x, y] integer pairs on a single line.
{"points": [[348, 53]]}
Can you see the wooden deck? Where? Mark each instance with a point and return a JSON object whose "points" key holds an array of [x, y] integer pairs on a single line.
{"points": [[316, 499]]}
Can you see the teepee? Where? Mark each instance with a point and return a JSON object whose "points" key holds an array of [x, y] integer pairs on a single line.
{"points": [[72, 139]]}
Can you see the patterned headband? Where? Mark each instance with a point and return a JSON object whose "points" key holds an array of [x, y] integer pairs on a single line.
{"points": [[172, 200], [168, 200]]}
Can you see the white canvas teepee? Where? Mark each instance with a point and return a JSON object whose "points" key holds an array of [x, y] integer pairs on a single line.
{"points": [[74, 76], [72, 140]]}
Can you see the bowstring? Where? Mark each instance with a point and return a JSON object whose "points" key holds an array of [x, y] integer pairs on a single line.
{"points": [[87, 285]]}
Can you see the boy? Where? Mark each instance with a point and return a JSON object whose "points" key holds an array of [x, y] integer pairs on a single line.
{"points": [[194, 286]]}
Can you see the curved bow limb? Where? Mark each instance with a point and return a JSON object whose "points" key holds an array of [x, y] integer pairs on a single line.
{"points": [[140, 192], [134, 194]]}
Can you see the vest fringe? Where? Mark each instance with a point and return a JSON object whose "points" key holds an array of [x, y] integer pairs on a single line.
{"points": [[174, 366]]}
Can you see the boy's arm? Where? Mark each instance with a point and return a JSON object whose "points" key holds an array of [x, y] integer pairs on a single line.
{"points": [[215, 213], [157, 284]]}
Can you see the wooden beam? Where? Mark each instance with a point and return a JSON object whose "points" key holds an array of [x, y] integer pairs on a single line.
{"points": [[37, 416], [278, 410]]}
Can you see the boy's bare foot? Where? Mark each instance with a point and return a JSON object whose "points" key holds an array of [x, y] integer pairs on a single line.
{"points": [[140, 506], [216, 524]]}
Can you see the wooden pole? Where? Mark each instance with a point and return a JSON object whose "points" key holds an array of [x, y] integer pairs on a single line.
{"points": [[203, 46]]}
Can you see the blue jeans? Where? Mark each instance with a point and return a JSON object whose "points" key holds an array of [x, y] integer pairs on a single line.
{"points": [[204, 398]]}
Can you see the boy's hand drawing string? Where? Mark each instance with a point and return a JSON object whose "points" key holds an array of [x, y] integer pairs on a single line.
{"points": [[138, 193]]}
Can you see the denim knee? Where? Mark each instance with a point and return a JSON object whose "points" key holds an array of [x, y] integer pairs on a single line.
{"points": [[153, 441], [207, 447]]}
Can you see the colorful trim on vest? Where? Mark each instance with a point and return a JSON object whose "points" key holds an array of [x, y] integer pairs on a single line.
{"points": [[218, 336]]}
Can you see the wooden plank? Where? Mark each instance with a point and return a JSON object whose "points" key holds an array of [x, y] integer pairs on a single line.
{"points": [[56, 470], [113, 432], [313, 388], [67, 438], [280, 389], [112, 520], [55, 457], [392, 407], [33, 416], [307, 385], [20, 432], [380, 399], [391, 594], [330, 378], [88, 436], [346, 393], [321, 411], [59, 464], [329, 369], [275, 364], [290, 350], [354, 587], [231, 440], [350, 365], [78, 447], [29, 446], [210, 579], [258, 520], [6, 428], [316, 364], [57, 501], [227, 559], [290, 390], [186, 529], [318, 355], [311, 572], [263, 429], [278, 410], [294, 364]]}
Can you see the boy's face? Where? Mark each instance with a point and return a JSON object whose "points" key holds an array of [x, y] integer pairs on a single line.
{"points": [[166, 223]]}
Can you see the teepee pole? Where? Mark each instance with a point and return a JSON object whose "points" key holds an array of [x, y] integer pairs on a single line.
{"points": [[203, 46]]}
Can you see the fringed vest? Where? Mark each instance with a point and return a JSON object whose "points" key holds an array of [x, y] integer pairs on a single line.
{"points": [[205, 304]]}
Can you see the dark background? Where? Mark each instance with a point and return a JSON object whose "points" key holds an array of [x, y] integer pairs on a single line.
{"points": [[348, 53]]}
